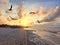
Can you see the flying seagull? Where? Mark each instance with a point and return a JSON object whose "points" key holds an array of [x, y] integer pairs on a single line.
{"points": [[38, 21], [10, 8], [13, 18], [32, 13]]}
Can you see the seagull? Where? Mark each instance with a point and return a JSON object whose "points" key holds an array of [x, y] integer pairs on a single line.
{"points": [[13, 18], [38, 21], [32, 13], [10, 8]]}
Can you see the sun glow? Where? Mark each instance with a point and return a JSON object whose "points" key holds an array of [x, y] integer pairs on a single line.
{"points": [[27, 19], [25, 22]]}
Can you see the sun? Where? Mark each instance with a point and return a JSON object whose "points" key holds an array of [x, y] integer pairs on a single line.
{"points": [[25, 22]]}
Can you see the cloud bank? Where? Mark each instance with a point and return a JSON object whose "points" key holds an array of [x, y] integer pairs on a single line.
{"points": [[49, 14], [42, 14]]}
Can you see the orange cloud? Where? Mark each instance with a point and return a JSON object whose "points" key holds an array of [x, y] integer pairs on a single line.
{"points": [[3, 20], [4, 1]]}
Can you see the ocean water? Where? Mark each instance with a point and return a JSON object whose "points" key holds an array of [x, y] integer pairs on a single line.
{"points": [[24, 36]]}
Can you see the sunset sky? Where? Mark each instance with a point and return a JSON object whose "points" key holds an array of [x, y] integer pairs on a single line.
{"points": [[48, 10], [37, 3]]}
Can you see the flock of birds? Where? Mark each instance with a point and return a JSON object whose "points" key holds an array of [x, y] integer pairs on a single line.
{"points": [[10, 9]]}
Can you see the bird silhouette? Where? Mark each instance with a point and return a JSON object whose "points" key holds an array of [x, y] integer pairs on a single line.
{"points": [[13, 18], [32, 13], [10, 8], [38, 21]]}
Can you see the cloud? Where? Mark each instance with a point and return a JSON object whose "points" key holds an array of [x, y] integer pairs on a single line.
{"points": [[3, 20], [0, 14], [42, 14], [50, 14], [4, 4], [4, 1], [22, 11]]}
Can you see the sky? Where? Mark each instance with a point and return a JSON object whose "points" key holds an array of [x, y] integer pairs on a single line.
{"points": [[48, 10], [29, 3], [47, 3]]}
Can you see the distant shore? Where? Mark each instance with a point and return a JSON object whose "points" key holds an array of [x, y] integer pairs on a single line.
{"points": [[11, 26]]}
